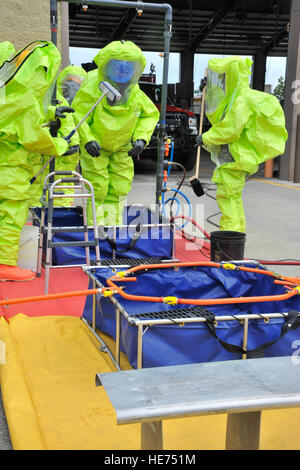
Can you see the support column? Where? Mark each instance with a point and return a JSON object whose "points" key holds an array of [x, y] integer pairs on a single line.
{"points": [[259, 71], [297, 150], [287, 160], [186, 86], [65, 34]]}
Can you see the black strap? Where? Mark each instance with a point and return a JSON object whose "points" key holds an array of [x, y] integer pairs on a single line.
{"points": [[292, 321], [134, 239]]}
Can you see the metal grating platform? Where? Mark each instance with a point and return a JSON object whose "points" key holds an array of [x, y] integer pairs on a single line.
{"points": [[175, 314], [130, 261]]}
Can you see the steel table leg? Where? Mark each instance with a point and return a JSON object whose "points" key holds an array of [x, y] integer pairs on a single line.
{"points": [[140, 347], [151, 436], [243, 431], [118, 334]]}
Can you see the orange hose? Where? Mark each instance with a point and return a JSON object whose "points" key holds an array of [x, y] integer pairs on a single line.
{"points": [[232, 300], [209, 264], [284, 283], [60, 295], [292, 280], [238, 300], [287, 281], [267, 298], [172, 264]]}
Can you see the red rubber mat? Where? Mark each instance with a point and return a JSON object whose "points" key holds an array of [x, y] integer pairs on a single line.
{"points": [[61, 280], [72, 279]]}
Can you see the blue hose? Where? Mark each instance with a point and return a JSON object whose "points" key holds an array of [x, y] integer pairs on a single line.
{"points": [[177, 202], [164, 203]]}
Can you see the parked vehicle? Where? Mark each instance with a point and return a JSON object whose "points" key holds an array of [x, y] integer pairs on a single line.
{"points": [[181, 127], [182, 124]]}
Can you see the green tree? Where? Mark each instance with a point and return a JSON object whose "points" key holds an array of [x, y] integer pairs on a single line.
{"points": [[279, 89]]}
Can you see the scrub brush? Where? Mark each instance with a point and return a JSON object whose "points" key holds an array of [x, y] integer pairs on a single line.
{"points": [[194, 180]]}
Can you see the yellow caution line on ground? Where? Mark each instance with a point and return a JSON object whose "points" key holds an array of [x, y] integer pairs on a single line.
{"points": [[277, 184], [207, 170]]}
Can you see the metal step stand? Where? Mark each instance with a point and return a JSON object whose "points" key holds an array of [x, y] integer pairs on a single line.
{"points": [[52, 191]]}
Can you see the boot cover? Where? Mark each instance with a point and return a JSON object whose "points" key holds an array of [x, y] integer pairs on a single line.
{"points": [[14, 273]]}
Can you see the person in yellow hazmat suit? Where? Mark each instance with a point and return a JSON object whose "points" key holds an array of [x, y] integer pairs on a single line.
{"points": [[25, 93], [114, 132], [68, 83], [247, 129]]}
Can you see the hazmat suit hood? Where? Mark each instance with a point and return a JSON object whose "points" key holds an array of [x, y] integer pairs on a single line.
{"points": [[69, 81], [121, 63], [32, 71], [225, 78], [25, 94], [7, 50]]}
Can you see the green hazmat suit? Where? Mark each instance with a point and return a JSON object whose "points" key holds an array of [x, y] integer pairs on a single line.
{"points": [[26, 81], [114, 127], [68, 82], [7, 50], [248, 128]]}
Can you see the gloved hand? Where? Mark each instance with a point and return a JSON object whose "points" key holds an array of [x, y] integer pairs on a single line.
{"points": [[198, 141], [71, 150], [93, 148], [54, 126], [138, 147], [63, 109], [203, 83]]}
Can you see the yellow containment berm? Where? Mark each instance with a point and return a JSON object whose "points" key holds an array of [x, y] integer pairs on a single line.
{"points": [[48, 368]]}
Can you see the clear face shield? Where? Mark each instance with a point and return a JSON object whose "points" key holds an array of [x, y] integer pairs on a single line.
{"points": [[10, 67], [215, 91], [48, 96], [69, 87], [122, 75], [215, 94]]}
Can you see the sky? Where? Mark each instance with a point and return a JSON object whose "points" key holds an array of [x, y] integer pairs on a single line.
{"points": [[274, 69]]}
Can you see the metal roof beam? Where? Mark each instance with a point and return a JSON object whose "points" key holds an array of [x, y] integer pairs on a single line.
{"points": [[212, 24], [275, 41], [123, 25]]}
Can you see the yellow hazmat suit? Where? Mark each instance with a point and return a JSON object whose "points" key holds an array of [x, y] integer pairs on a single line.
{"points": [[248, 128], [68, 82], [25, 81], [116, 128]]}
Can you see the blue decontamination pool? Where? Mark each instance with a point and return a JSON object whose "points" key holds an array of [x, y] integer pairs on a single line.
{"points": [[156, 334]]}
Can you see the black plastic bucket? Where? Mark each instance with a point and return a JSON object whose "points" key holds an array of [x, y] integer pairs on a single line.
{"points": [[226, 245]]}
